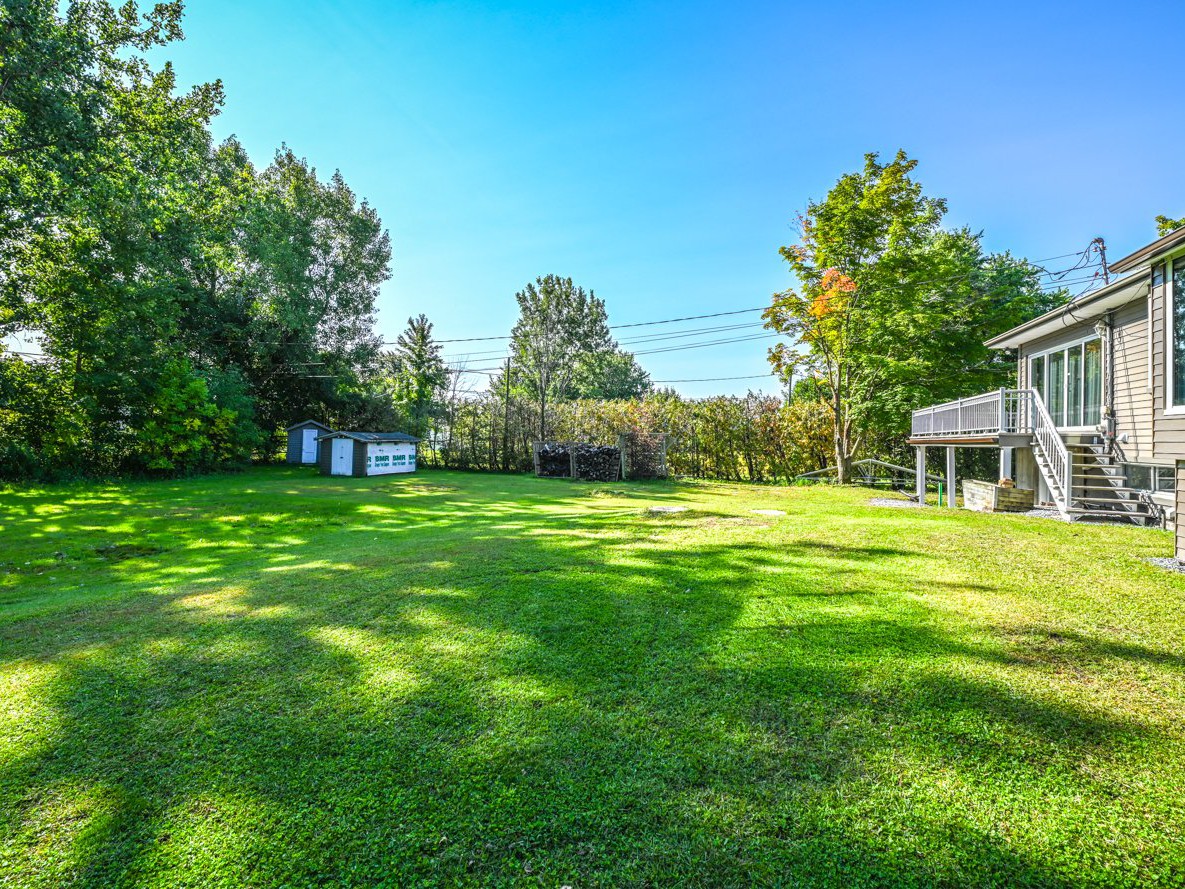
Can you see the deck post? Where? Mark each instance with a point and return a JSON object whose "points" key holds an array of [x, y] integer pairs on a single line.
{"points": [[1005, 462], [950, 477], [921, 474]]}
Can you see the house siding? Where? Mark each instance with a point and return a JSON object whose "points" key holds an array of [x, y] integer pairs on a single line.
{"points": [[1129, 374], [325, 456], [1179, 524], [359, 458], [1168, 431], [1130, 392], [1073, 333]]}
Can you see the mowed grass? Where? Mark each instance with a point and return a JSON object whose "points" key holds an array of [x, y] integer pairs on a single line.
{"points": [[279, 679]]}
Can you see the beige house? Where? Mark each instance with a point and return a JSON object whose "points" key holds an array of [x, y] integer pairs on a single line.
{"points": [[1096, 423]]}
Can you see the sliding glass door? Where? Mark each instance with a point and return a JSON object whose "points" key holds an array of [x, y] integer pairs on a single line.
{"points": [[1056, 383], [1037, 375], [1092, 383], [1070, 382]]}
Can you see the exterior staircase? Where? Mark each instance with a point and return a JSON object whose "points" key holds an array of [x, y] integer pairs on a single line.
{"points": [[1084, 475], [1100, 488]]}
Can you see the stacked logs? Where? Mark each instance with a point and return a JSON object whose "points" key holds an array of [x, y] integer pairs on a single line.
{"points": [[553, 461], [598, 463]]}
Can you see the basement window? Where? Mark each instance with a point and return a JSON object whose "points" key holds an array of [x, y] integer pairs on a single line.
{"points": [[1139, 477], [1150, 478], [1165, 478]]}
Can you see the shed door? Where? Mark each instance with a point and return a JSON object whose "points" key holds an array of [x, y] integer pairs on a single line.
{"points": [[343, 456], [308, 446]]}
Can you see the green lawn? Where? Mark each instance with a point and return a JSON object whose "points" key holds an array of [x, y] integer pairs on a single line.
{"points": [[278, 679]]}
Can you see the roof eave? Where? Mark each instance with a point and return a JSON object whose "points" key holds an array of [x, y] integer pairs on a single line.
{"points": [[1149, 252], [1086, 308]]}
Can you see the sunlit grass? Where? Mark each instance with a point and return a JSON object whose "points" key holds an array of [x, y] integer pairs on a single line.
{"points": [[279, 679]]}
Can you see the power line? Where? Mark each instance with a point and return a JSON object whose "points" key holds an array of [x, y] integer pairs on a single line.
{"points": [[680, 348], [743, 339], [688, 318], [657, 337], [717, 379], [478, 339]]}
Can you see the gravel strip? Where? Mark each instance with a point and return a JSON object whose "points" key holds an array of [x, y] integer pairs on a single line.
{"points": [[1045, 514], [1174, 565], [893, 501]]}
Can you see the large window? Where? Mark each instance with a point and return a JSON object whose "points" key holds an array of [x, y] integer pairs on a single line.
{"points": [[1074, 386], [1037, 375], [1178, 332], [1092, 382], [1055, 386], [1070, 381]]}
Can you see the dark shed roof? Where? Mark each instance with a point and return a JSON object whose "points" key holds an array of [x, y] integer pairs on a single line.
{"points": [[308, 423], [372, 436]]}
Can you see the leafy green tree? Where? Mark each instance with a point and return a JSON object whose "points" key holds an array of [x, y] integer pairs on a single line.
{"points": [[1166, 224], [183, 428], [133, 247], [561, 348], [891, 310], [559, 325], [418, 374], [610, 373]]}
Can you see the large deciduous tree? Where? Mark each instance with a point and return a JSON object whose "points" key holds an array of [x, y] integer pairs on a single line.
{"points": [[163, 276], [891, 311], [559, 325]]}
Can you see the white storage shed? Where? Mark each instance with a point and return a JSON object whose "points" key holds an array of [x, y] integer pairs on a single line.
{"points": [[367, 453]]}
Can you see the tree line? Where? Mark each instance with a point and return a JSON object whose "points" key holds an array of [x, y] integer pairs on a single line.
{"points": [[755, 437], [186, 302]]}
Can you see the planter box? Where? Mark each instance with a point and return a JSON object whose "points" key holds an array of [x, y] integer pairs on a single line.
{"points": [[989, 497]]}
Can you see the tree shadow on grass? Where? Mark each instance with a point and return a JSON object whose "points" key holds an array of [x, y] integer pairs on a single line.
{"points": [[578, 703]]}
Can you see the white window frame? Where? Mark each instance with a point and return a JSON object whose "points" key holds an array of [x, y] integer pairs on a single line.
{"points": [[1153, 476], [1066, 347], [1170, 409], [1151, 317]]}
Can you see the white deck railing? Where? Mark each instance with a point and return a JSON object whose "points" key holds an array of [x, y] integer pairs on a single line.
{"points": [[1004, 412]]}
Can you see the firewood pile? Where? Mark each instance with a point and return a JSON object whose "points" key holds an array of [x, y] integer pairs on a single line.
{"points": [[553, 461], [597, 463]]}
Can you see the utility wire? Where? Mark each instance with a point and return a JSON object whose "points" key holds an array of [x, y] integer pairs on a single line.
{"points": [[683, 334], [716, 379]]}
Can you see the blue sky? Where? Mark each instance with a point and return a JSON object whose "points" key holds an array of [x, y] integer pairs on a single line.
{"points": [[658, 152]]}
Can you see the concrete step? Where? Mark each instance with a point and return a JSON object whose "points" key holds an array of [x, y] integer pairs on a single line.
{"points": [[1106, 514], [1132, 506]]}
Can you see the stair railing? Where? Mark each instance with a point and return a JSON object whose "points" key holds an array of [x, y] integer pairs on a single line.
{"points": [[1053, 449]]}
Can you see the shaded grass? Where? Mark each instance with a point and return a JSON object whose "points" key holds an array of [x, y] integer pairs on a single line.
{"points": [[281, 679]]}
